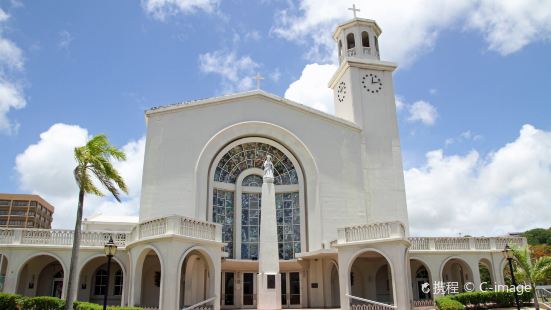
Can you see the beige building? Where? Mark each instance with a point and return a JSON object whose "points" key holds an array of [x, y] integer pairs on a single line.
{"points": [[25, 211]]}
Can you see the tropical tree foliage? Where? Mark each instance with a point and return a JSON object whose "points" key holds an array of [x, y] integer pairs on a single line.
{"points": [[533, 272], [93, 166]]}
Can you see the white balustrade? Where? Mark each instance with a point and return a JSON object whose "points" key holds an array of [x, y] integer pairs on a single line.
{"points": [[6, 235], [370, 232], [482, 243], [153, 228], [366, 50], [172, 225], [419, 243], [197, 229], [511, 241], [464, 243], [351, 52]]}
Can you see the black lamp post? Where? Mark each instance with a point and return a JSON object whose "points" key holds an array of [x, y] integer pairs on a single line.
{"points": [[508, 254], [110, 250]]}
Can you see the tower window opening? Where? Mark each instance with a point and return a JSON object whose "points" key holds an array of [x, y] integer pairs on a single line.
{"points": [[350, 42], [340, 48], [365, 39]]}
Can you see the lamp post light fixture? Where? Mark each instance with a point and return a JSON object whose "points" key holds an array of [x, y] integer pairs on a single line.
{"points": [[110, 249], [508, 254]]}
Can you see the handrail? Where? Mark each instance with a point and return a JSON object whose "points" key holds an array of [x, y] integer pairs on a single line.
{"points": [[371, 301], [200, 303]]}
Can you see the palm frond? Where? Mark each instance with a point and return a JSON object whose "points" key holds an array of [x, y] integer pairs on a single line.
{"points": [[94, 158]]}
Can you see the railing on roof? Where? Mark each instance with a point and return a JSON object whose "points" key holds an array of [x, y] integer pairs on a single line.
{"points": [[167, 226], [464, 243], [60, 237], [369, 232], [177, 225]]}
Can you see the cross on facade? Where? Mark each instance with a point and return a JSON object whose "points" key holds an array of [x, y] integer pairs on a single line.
{"points": [[258, 78], [354, 10]]}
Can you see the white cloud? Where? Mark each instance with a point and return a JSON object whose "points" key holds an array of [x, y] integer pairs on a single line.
{"points": [[400, 104], [423, 112], [10, 55], [11, 94], [311, 88], [505, 191], [51, 158], [65, 39], [510, 25], [11, 97], [236, 72], [411, 28], [161, 9]]}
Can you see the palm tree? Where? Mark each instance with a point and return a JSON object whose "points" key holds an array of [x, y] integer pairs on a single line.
{"points": [[532, 272], [94, 159]]}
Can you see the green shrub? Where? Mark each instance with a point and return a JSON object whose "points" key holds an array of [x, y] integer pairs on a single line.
{"points": [[447, 303], [477, 299], [80, 305], [41, 303], [8, 301]]}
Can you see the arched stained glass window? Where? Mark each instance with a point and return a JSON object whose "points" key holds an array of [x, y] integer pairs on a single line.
{"points": [[242, 233], [252, 180], [253, 155]]}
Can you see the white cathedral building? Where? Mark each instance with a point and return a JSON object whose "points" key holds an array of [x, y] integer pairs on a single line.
{"points": [[329, 228]]}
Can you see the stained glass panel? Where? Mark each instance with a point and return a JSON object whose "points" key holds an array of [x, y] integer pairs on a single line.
{"points": [[252, 155], [288, 224], [250, 225], [252, 180], [222, 213]]}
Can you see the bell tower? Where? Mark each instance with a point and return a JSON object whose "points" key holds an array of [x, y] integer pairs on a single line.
{"points": [[363, 94]]}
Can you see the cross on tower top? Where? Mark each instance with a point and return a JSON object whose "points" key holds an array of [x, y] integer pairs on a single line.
{"points": [[258, 78], [354, 10]]}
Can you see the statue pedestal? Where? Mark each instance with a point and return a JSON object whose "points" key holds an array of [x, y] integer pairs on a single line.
{"points": [[269, 291], [269, 278]]}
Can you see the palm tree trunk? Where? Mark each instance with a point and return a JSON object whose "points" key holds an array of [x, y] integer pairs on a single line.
{"points": [[536, 302], [69, 296]]}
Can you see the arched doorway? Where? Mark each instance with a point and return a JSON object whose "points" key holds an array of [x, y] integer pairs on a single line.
{"points": [[421, 280], [195, 279], [41, 275], [485, 271], [151, 281], [92, 283], [335, 289], [456, 270], [3, 270], [371, 278]]}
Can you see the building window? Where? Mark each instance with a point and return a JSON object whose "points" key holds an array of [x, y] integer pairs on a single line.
{"points": [[252, 180], [365, 39], [253, 155], [222, 213], [350, 42], [118, 283], [250, 225], [20, 203], [33, 203], [288, 224], [246, 196], [100, 282], [4, 202]]}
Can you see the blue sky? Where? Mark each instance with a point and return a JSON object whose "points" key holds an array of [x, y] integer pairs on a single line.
{"points": [[471, 75]]}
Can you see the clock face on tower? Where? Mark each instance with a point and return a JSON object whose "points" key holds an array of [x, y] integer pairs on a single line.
{"points": [[341, 91], [372, 83]]}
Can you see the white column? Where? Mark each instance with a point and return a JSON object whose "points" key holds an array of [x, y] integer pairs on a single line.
{"points": [[268, 263]]}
